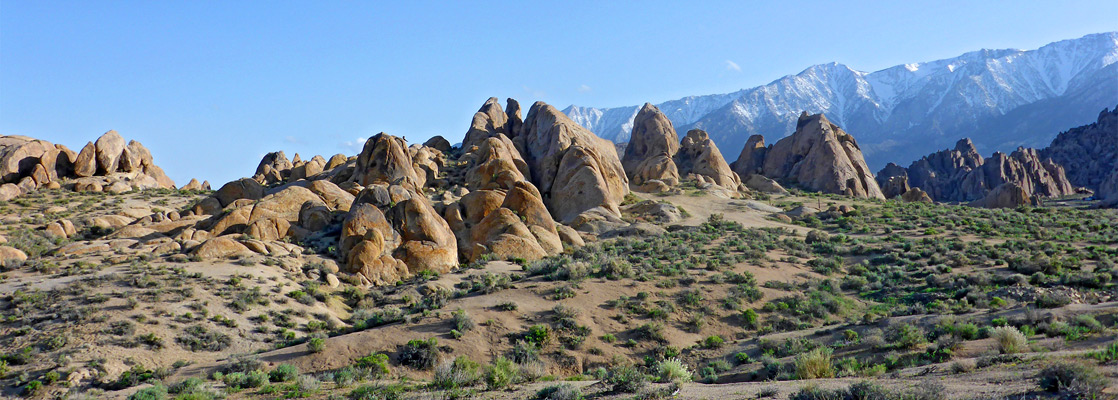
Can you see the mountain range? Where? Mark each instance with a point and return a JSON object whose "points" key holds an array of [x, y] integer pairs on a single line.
{"points": [[1001, 99]]}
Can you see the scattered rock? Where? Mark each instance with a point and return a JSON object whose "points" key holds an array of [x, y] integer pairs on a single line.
{"points": [[10, 254], [654, 211]]}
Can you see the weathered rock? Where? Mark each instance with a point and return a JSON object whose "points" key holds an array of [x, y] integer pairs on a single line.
{"points": [[569, 236], [763, 184], [1007, 195], [962, 175], [1088, 153], [654, 211], [335, 161], [19, 155], [916, 195], [111, 221], [489, 121], [86, 163], [11, 254], [410, 238], [110, 146], [192, 185], [239, 189], [438, 143], [574, 170], [9, 191], [821, 156], [495, 164], [654, 186], [62, 228], [698, 155], [1108, 190], [274, 167], [385, 159], [221, 247], [752, 157], [652, 144]]}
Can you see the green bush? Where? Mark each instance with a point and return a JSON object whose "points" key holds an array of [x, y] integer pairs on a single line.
{"points": [[157, 392], [815, 364], [316, 345], [626, 379], [378, 392], [376, 364], [456, 373], [420, 354], [1009, 340], [283, 373], [673, 370], [500, 374], [1073, 379], [563, 391], [713, 342], [906, 336]]}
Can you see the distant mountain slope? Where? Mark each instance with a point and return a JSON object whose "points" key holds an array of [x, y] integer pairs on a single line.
{"points": [[999, 98]]}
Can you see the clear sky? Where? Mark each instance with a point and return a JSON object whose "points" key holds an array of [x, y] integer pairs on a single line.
{"points": [[210, 86]]}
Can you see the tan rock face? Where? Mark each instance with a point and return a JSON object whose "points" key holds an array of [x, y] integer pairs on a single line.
{"points": [[385, 159], [438, 143], [239, 189], [11, 254], [489, 121], [494, 164], [110, 147], [752, 157], [192, 185], [915, 195], [698, 155], [221, 247], [821, 156], [19, 155], [1007, 195], [86, 162], [574, 170], [384, 247], [651, 147]]}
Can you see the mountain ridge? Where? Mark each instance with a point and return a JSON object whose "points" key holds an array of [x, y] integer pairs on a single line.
{"points": [[902, 112]]}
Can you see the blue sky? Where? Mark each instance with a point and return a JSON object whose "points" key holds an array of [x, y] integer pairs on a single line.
{"points": [[209, 86]]}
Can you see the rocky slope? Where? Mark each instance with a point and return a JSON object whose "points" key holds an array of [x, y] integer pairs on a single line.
{"points": [[819, 156], [1003, 99], [108, 164], [1088, 153], [962, 175]]}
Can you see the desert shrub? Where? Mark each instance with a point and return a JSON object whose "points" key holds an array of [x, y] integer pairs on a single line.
{"points": [[813, 392], [376, 364], [456, 373], [906, 336], [626, 379], [462, 321], [713, 342], [563, 391], [815, 364], [198, 338], [283, 373], [673, 370], [1009, 340], [1073, 379], [539, 335], [420, 354], [1107, 354], [500, 374], [243, 363], [523, 352], [316, 345], [157, 392], [378, 392]]}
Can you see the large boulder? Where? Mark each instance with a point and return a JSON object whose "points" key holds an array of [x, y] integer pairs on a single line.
{"points": [[752, 157], [1007, 195], [239, 189], [385, 159], [699, 156], [20, 154], [109, 148], [85, 165], [652, 144], [821, 156], [1108, 190], [274, 167], [438, 143], [383, 246], [220, 248], [488, 121], [574, 170]]}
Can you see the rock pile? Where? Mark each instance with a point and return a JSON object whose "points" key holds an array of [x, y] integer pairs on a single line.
{"points": [[109, 164], [819, 156], [962, 175], [1089, 153]]}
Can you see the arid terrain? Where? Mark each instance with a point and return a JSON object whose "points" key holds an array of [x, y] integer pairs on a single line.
{"points": [[536, 261]]}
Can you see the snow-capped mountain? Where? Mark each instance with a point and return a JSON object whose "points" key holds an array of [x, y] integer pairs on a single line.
{"points": [[1001, 99]]}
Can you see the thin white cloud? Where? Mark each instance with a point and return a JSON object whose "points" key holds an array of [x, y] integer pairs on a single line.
{"points": [[584, 88], [353, 146], [292, 139], [732, 66]]}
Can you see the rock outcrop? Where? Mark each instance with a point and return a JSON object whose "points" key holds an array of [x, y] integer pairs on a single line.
{"points": [[574, 170], [652, 146], [962, 175], [752, 157], [699, 158], [1007, 195], [1089, 153], [385, 159], [488, 121], [819, 156], [503, 216], [27, 164]]}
